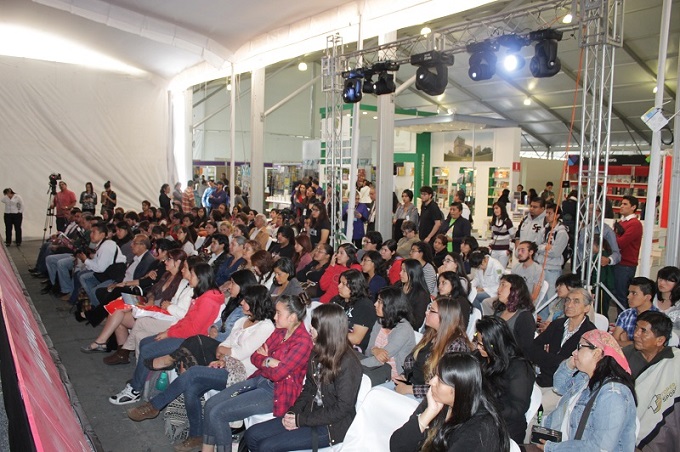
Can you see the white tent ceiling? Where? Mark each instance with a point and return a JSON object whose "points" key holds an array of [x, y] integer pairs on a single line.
{"points": [[171, 37]]}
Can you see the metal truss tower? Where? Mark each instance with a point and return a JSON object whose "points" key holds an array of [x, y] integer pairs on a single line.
{"points": [[332, 65], [600, 33]]}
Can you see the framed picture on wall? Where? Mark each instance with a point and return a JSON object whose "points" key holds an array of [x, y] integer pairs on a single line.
{"points": [[467, 146]]}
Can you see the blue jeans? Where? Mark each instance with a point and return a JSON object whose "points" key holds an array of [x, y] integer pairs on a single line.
{"points": [[481, 296], [193, 383], [90, 283], [149, 347], [272, 436], [60, 271], [238, 401], [622, 276]]}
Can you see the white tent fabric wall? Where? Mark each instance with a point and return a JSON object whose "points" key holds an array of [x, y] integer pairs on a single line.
{"points": [[87, 125]]}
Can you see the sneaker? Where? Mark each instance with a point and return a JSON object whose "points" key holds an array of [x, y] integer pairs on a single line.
{"points": [[126, 396], [143, 412]]}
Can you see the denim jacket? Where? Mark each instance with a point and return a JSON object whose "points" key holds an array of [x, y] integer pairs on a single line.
{"points": [[611, 425]]}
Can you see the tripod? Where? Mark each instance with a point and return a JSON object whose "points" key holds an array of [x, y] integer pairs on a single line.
{"points": [[49, 215]]}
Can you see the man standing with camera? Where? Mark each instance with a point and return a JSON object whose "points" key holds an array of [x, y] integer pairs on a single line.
{"points": [[63, 202]]}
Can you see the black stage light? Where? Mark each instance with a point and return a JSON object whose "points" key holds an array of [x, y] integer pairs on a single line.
{"points": [[482, 60], [351, 93], [384, 84], [513, 61], [545, 62], [368, 82], [482, 66], [432, 74]]}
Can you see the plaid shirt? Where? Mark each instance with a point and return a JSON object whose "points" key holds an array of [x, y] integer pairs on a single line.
{"points": [[288, 376], [188, 200], [628, 319], [420, 391]]}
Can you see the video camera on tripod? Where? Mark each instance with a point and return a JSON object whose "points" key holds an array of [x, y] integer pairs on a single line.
{"points": [[54, 178]]}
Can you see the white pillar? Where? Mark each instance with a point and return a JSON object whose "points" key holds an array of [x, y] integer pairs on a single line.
{"points": [[673, 231], [232, 139], [257, 139], [655, 153], [385, 164]]}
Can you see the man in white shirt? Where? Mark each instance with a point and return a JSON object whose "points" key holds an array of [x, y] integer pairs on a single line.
{"points": [[106, 255], [486, 275], [459, 196]]}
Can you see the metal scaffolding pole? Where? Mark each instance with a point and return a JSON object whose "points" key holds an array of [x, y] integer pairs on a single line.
{"points": [[600, 33]]}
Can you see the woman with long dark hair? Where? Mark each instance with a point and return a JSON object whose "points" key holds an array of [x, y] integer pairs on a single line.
{"points": [[324, 410], [449, 285], [456, 415], [343, 259], [388, 251], [285, 282], [321, 225], [598, 371], [303, 252], [467, 246], [353, 297], [514, 305], [392, 336], [502, 232], [202, 312], [508, 375], [164, 198], [281, 364], [453, 262], [373, 266], [239, 281], [422, 252], [668, 293], [310, 276], [412, 282], [205, 363], [88, 199], [444, 333]]}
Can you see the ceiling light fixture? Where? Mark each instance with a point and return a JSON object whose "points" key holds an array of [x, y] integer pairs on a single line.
{"points": [[432, 75], [482, 60], [513, 61], [568, 18], [425, 30], [302, 66], [351, 92], [527, 101], [545, 62]]}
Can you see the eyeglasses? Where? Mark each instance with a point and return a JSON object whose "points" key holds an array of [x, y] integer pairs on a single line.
{"points": [[449, 261], [587, 345], [572, 300], [366, 260]]}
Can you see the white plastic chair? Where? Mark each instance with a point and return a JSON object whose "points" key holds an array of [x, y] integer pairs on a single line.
{"points": [[382, 412], [674, 341], [475, 314], [514, 447], [364, 389], [534, 405], [601, 322], [541, 295]]}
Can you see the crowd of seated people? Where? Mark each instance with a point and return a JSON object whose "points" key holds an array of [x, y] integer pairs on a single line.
{"points": [[225, 300]]}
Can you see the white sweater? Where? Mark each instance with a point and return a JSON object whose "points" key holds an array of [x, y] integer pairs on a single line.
{"points": [[245, 341]]}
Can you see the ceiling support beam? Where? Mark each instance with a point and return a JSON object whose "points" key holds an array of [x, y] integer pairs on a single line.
{"points": [[575, 131], [620, 116], [635, 57]]}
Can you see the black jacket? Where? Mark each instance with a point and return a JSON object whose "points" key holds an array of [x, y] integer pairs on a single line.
{"points": [[479, 433], [339, 399], [461, 229], [550, 359]]}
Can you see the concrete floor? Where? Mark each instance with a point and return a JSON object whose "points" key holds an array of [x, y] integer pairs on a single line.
{"points": [[93, 381]]}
